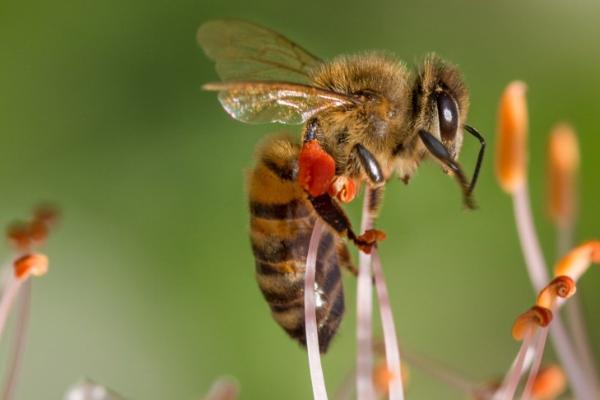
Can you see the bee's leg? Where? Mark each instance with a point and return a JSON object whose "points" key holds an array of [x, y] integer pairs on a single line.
{"points": [[330, 211], [344, 258], [375, 200]]}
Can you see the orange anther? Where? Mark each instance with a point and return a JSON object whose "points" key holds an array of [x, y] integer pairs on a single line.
{"points": [[549, 383], [563, 161], [531, 319], [577, 261], [561, 286], [382, 377], [511, 153], [316, 170], [34, 264], [18, 234], [46, 214], [38, 231]]}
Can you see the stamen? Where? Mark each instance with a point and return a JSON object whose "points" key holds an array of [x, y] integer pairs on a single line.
{"points": [[511, 153], [563, 163], [511, 172], [310, 315]]}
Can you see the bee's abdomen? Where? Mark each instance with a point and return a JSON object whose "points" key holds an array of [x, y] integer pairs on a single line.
{"points": [[281, 222]]}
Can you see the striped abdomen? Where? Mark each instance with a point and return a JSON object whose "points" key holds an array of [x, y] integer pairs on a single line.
{"points": [[281, 223]]}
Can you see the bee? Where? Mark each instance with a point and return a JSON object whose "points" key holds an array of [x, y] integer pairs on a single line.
{"points": [[365, 118]]}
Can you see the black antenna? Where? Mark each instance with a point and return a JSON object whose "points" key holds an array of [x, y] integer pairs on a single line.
{"points": [[474, 132]]}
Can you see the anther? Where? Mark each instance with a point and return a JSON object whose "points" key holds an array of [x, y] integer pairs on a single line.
{"points": [[561, 286], [35, 264], [563, 161], [549, 383], [530, 320], [512, 136], [577, 261], [18, 235]]}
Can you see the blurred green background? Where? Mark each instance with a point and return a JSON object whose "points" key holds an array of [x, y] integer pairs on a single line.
{"points": [[151, 289]]}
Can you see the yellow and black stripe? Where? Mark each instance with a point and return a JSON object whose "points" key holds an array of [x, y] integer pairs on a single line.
{"points": [[281, 223]]}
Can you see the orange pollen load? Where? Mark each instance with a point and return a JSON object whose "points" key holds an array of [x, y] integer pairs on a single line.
{"points": [[35, 264], [316, 170], [512, 135], [530, 320]]}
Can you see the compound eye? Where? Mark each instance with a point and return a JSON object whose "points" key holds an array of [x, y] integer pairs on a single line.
{"points": [[448, 115]]}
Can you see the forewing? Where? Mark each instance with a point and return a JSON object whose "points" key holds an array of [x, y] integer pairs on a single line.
{"points": [[244, 51], [282, 102]]}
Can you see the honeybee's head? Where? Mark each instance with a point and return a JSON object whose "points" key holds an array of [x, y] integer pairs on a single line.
{"points": [[440, 102], [439, 106]]}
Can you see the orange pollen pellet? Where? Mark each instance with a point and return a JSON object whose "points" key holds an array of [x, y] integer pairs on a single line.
{"points": [[563, 161], [512, 136], [530, 320], [549, 383], [35, 264], [561, 286]]}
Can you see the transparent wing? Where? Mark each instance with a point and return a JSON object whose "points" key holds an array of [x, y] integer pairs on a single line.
{"points": [[244, 51], [286, 103]]}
